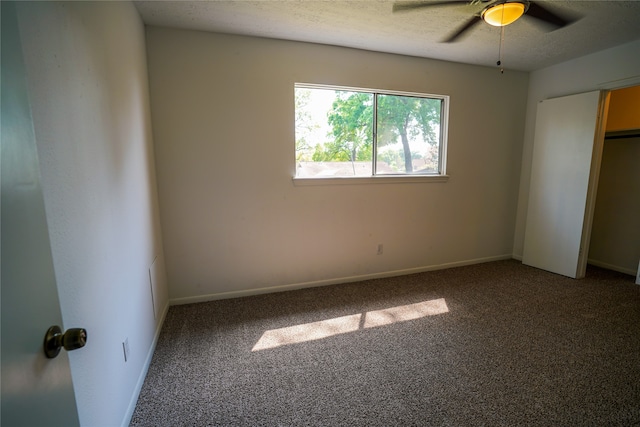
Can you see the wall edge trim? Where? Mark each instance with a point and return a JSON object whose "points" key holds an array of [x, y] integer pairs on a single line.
{"points": [[126, 421], [612, 267], [335, 281]]}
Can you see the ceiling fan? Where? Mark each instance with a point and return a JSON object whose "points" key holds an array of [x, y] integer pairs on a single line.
{"points": [[498, 13]]}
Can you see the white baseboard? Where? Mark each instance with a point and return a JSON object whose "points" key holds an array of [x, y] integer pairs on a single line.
{"points": [[619, 269], [290, 287], [145, 368]]}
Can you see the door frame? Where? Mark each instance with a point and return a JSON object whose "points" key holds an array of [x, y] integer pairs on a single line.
{"points": [[594, 177]]}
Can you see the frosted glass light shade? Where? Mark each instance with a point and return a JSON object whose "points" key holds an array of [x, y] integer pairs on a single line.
{"points": [[503, 14]]}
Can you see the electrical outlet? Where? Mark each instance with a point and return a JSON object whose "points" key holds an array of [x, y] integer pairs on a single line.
{"points": [[126, 349], [380, 248]]}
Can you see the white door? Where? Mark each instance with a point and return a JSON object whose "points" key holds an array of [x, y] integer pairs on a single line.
{"points": [[36, 391], [567, 150]]}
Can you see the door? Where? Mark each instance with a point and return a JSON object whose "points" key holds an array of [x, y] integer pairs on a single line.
{"points": [[36, 391], [567, 150]]}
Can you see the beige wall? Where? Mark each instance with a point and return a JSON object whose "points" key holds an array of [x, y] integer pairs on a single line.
{"points": [[233, 221], [615, 235], [87, 76], [608, 69], [624, 109]]}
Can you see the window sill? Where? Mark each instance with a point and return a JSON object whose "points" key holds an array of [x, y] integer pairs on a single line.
{"points": [[409, 179]]}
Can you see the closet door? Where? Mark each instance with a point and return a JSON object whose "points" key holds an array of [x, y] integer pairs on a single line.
{"points": [[569, 135]]}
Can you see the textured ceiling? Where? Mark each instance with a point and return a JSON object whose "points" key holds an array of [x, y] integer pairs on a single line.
{"points": [[372, 25]]}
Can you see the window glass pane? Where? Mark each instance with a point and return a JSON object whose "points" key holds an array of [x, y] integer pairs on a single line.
{"points": [[408, 135], [334, 133]]}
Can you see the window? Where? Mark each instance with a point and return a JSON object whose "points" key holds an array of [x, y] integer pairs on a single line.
{"points": [[344, 132]]}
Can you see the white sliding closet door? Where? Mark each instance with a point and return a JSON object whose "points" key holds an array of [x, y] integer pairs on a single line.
{"points": [[567, 150]]}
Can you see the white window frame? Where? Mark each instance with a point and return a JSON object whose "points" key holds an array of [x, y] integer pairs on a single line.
{"points": [[386, 178]]}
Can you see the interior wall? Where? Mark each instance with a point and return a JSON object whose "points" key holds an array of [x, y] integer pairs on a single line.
{"points": [[624, 109], [234, 222], [611, 68], [615, 234], [87, 76]]}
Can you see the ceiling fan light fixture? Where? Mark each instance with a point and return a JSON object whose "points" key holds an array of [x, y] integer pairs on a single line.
{"points": [[503, 14]]}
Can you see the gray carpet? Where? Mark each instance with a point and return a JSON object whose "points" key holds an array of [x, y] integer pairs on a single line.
{"points": [[506, 345]]}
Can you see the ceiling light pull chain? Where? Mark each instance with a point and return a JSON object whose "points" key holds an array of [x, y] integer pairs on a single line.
{"points": [[499, 63]]}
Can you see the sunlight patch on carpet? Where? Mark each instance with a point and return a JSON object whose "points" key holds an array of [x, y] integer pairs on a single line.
{"points": [[341, 325], [404, 313]]}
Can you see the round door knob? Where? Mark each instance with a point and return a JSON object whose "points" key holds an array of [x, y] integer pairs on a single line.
{"points": [[72, 339]]}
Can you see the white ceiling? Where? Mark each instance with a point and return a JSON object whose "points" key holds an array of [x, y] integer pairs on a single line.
{"points": [[372, 25]]}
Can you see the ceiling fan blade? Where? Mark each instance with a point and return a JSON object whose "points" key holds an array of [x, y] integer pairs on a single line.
{"points": [[467, 25], [552, 18], [412, 5]]}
